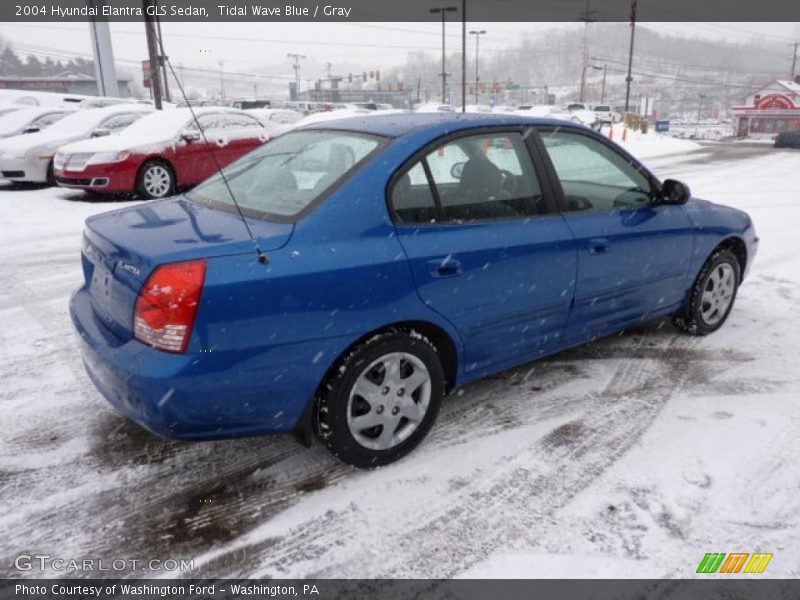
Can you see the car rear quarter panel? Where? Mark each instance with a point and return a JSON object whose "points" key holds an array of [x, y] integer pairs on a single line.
{"points": [[342, 275]]}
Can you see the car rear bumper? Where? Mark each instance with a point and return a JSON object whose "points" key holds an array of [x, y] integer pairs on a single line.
{"points": [[117, 177], [185, 396]]}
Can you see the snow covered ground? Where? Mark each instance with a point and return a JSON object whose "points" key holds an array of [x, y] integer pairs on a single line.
{"points": [[629, 457]]}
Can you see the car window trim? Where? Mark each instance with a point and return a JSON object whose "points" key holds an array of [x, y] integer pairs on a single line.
{"points": [[421, 156], [558, 189]]}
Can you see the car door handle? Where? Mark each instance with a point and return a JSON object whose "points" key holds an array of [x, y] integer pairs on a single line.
{"points": [[444, 267], [598, 246]]}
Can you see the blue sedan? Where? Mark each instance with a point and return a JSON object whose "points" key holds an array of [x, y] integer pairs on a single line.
{"points": [[344, 277]]}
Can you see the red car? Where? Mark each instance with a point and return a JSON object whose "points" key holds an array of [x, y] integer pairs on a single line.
{"points": [[160, 153]]}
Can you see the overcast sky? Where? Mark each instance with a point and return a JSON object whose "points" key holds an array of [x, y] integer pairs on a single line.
{"points": [[243, 46]]}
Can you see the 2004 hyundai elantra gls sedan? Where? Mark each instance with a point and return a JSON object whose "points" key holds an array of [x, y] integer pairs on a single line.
{"points": [[405, 255]]}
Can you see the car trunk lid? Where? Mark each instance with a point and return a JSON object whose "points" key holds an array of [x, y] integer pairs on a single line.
{"points": [[122, 248]]}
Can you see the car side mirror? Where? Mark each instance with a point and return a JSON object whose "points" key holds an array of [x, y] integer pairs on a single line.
{"points": [[101, 133], [456, 170], [190, 136], [674, 192], [31, 129]]}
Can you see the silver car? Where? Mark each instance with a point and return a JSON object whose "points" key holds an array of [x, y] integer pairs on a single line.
{"points": [[29, 158], [30, 120]]}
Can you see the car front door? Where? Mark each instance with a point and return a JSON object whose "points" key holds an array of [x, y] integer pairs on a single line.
{"points": [[633, 253], [487, 247], [192, 159]]}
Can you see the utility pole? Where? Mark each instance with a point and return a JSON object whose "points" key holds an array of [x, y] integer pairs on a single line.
{"points": [[296, 58], [477, 35], [443, 10], [221, 83], [628, 79], [794, 63], [463, 56], [603, 89], [587, 17], [700, 107], [162, 60], [155, 75]]}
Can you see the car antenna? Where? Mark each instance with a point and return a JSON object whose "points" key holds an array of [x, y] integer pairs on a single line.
{"points": [[262, 256]]}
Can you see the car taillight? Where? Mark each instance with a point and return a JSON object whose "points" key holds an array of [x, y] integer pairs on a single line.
{"points": [[167, 305]]}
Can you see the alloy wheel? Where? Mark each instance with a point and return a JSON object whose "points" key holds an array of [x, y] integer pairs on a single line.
{"points": [[389, 401], [718, 293]]}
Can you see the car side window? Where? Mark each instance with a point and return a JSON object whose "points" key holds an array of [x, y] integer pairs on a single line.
{"points": [[239, 122], [594, 176], [412, 198], [120, 121], [48, 119], [206, 121], [485, 177]]}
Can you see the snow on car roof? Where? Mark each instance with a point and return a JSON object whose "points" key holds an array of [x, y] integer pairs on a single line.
{"points": [[163, 124], [16, 119], [396, 125]]}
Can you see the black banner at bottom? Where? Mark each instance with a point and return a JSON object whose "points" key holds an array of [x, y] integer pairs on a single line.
{"points": [[401, 589]]}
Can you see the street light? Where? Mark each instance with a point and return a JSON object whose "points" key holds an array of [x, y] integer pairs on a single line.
{"points": [[443, 10], [477, 35], [583, 79]]}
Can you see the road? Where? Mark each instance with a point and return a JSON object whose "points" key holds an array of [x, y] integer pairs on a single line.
{"points": [[637, 453]]}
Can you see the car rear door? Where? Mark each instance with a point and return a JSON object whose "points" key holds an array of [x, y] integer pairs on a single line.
{"points": [[243, 133], [487, 247], [633, 254]]}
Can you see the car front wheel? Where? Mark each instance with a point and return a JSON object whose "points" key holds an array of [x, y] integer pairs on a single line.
{"points": [[155, 180], [382, 399], [711, 298]]}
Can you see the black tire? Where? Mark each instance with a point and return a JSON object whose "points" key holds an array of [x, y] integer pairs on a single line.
{"points": [[146, 189], [50, 177], [693, 317], [333, 402]]}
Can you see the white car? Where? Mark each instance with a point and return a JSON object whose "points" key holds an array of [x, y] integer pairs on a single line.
{"points": [[585, 117], [29, 158], [276, 120], [606, 114], [30, 120], [540, 110], [433, 108], [332, 115]]}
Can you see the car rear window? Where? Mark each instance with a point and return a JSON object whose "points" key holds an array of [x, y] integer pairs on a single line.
{"points": [[284, 177]]}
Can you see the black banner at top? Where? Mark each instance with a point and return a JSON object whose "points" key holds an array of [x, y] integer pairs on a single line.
{"points": [[405, 10]]}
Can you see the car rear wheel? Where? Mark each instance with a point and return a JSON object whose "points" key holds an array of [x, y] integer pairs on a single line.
{"points": [[155, 180], [382, 399], [712, 296]]}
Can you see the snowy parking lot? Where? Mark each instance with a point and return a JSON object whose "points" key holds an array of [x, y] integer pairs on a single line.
{"points": [[634, 455]]}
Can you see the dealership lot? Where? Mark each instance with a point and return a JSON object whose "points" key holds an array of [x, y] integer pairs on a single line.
{"points": [[636, 454]]}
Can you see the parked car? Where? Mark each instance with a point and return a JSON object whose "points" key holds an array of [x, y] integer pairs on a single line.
{"points": [[160, 153], [29, 158], [579, 115], [277, 120], [400, 258], [434, 108], [30, 120], [606, 115], [788, 139], [250, 104]]}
